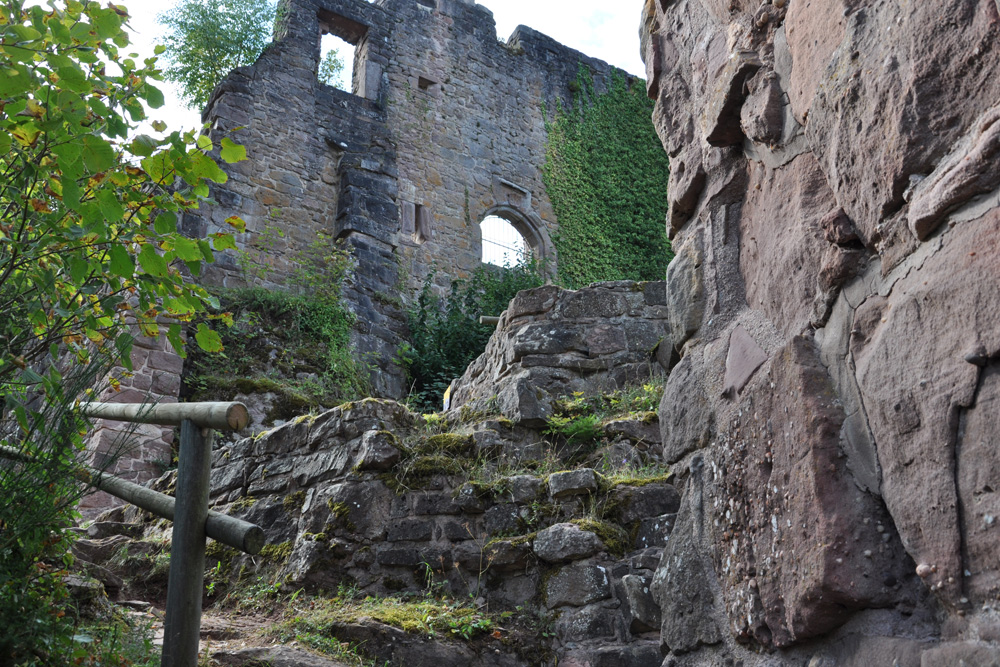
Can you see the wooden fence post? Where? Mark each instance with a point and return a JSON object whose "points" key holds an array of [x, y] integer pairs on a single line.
{"points": [[182, 626]]}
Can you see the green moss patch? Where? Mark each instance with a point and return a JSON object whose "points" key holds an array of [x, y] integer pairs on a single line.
{"points": [[614, 536], [277, 553], [451, 444]]}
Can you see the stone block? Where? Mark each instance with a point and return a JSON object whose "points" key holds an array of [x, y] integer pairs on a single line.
{"points": [[577, 585], [508, 555], [170, 362], [587, 623], [524, 488], [455, 531], [378, 451], [468, 500], [566, 542], [412, 530], [573, 482], [398, 557], [635, 430], [593, 303], [646, 501], [642, 613], [502, 519], [425, 504]]}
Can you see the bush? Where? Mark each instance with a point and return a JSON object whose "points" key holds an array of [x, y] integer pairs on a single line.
{"points": [[445, 333], [40, 493], [294, 343]]}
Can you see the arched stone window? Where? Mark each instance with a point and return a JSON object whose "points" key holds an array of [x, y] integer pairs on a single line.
{"points": [[510, 237], [503, 245]]}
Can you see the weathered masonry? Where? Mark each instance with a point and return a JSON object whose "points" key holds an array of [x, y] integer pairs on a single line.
{"points": [[444, 126]]}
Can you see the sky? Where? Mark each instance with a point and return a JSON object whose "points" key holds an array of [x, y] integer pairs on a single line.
{"points": [[605, 30]]}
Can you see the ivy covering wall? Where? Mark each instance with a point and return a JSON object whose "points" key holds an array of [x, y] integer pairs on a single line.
{"points": [[606, 175]]}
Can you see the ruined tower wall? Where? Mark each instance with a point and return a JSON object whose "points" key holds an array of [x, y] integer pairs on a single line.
{"points": [[321, 163], [466, 112], [444, 126]]}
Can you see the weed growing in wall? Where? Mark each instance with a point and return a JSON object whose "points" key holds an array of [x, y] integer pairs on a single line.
{"points": [[606, 175], [294, 344], [445, 333]]}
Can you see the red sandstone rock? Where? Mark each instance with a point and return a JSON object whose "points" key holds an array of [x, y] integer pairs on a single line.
{"points": [[863, 245]]}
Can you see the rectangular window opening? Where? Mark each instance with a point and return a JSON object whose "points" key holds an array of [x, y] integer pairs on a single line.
{"points": [[342, 56], [423, 231], [336, 62]]}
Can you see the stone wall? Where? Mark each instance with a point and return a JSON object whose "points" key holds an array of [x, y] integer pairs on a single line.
{"points": [[135, 452], [835, 213], [551, 343], [445, 126]]}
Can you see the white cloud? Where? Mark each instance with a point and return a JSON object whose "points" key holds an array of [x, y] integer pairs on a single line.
{"points": [[586, 25]]}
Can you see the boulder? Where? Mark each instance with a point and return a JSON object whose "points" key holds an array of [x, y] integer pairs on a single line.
{"points": [[577, 585]]}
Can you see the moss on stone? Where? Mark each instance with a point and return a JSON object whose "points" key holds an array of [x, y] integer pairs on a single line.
{"points": [[315, 537], [244, 503], [435, 464], [515, 541], [417, 472], [453, 444], [277, 553], [647, 417], [339, 513], [293, 502], [614, 536]]}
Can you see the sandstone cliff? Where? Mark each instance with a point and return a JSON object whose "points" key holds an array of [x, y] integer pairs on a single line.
{"points": [[835, 211]]}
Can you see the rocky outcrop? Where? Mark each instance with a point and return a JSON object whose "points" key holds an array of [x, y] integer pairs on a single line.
{"points": [[552, 342], [371, 497], [835, 211]]}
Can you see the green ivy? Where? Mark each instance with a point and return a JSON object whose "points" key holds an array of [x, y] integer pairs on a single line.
{"points": [[606, 175]]}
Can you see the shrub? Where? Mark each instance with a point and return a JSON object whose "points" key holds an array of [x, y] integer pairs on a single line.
{"points": [[294, 343], [445, 334]]}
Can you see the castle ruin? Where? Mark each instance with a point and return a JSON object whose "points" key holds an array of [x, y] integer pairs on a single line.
{"points": [[444, 126]]}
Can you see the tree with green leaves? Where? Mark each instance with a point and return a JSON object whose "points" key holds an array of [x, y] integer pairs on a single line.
{"points": [[89, 253], [331, 68], [207, 39]]}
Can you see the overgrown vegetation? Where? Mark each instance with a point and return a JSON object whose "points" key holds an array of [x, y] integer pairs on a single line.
{"points": [[292, 343], [424, 615], [445, 333], [576, 436], [606, 174], [37, 614], [89, 249]]}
